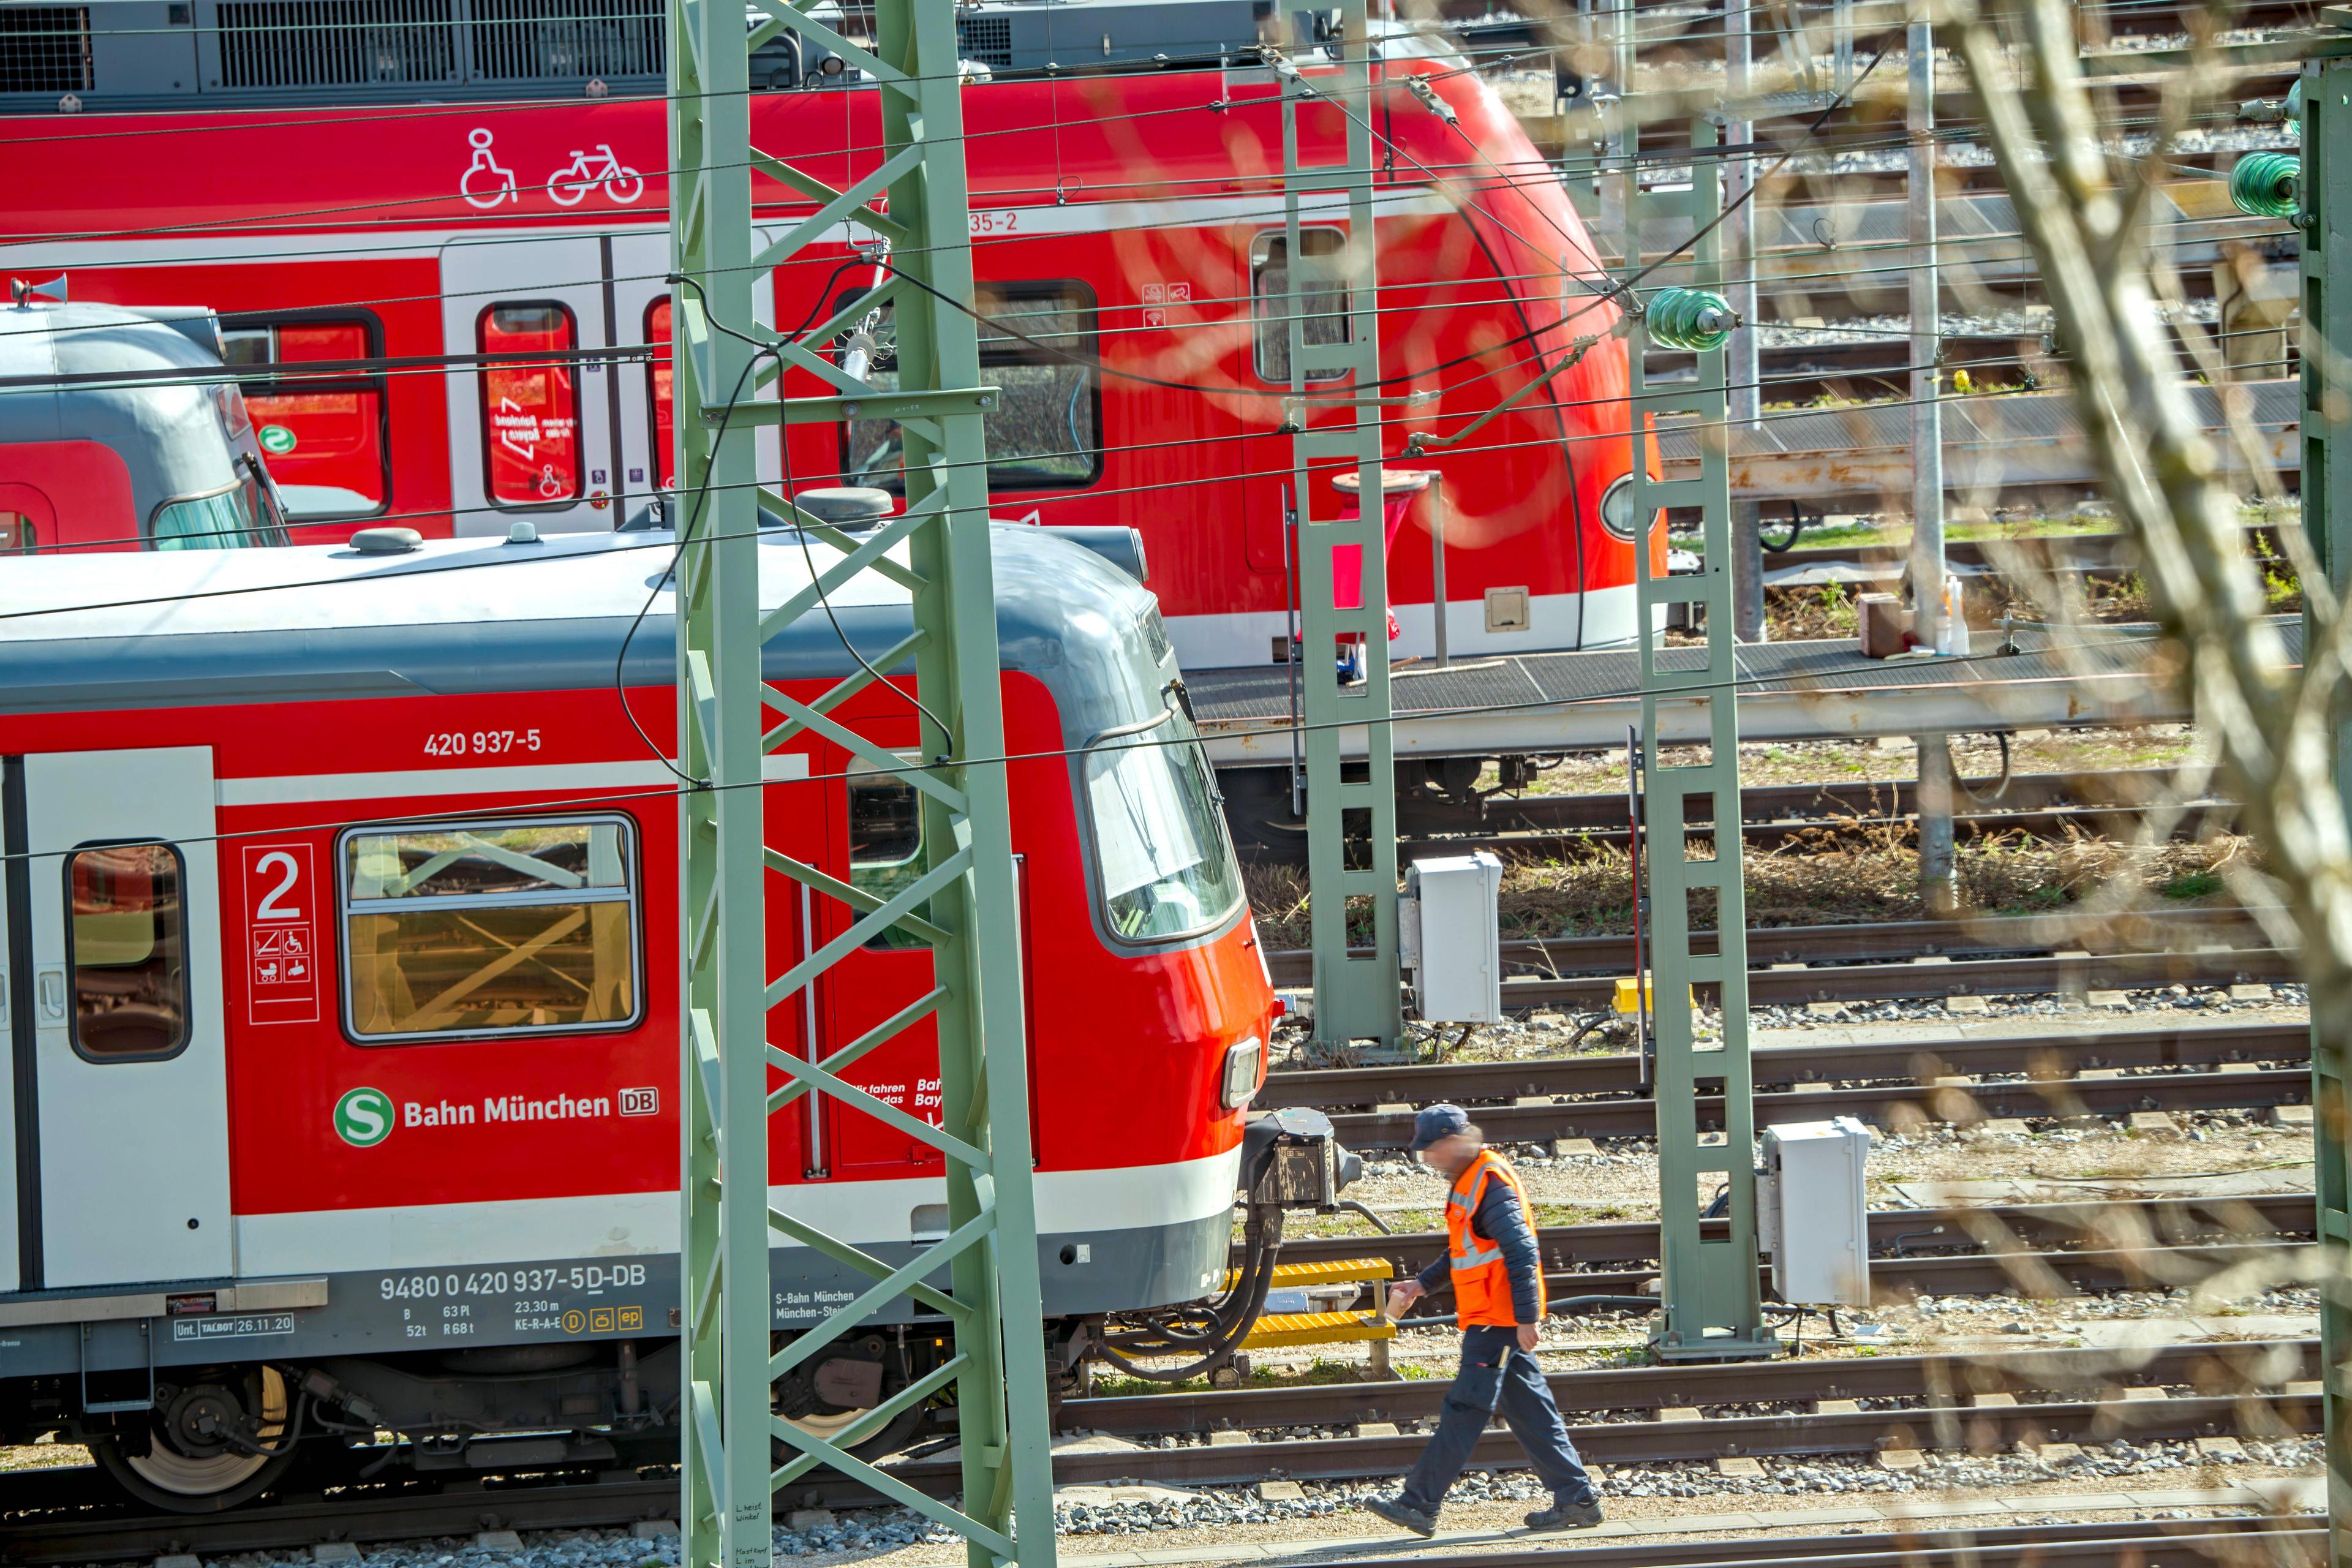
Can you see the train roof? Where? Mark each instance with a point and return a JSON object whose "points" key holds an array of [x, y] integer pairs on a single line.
{"points": [[166, 429], [172, 629]]}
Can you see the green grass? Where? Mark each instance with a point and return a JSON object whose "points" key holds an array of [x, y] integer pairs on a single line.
{"points": [[2193, 885]]}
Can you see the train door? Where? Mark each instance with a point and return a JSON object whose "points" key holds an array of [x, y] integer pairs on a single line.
{"points": [[526, 442], [15, 1005], [128, 1115], [881, 832]]}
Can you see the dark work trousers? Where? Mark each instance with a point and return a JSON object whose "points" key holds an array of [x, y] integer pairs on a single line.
{"points": [[1488, 1379]]}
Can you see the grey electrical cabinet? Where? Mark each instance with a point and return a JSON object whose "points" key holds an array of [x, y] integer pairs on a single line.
{"points": [[1450, 938], [1813, 1212]]}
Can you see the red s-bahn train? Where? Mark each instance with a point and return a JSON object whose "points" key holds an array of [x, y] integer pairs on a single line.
{"points": [[1127, 235], [341, 977]]}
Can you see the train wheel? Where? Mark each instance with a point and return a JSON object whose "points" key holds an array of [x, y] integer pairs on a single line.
{"points": [[830, 1425], [190, 1466]]}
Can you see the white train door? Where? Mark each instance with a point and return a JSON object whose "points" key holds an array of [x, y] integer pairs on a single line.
{"points": [[15, 1009], [567, 444], [130, 1102], [528, 438]]}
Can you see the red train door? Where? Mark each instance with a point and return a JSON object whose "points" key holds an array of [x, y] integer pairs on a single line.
{"points": [[119, 901], [877, 845]]}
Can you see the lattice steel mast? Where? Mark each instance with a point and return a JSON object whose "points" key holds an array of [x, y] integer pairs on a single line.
{"points": [[1710, 1306], [730, 719], [1356, 996]]}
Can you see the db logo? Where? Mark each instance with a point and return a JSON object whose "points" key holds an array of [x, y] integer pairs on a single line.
{"points": [[640, 1101]]}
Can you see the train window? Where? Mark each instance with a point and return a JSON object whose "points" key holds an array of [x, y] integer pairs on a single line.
{"points": [[885, 841], [220, 520], [530, 411], [1167, 867], [17, 534], [1324, 307], [126, 953], [1038, 344], [324, 430], [658, 388], [489, 929]]}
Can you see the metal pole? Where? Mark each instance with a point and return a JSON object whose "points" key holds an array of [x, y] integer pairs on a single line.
{"points": [[1437, 558], [1356, 998], [740, 1336], [1709, 1300], [1739, 259], [2327, 500], [1938, 882]]}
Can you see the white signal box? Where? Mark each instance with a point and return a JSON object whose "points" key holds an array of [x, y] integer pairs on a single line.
{"points": [[1812, 1212], [1449, 937]]}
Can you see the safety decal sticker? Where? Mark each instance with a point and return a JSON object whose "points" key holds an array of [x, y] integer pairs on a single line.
{"points": [[282, 981]]}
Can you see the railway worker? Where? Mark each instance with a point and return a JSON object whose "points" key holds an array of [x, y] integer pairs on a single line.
{"points": [[1498, 1297]]}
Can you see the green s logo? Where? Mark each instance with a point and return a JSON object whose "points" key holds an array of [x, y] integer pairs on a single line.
{"points": [[364, 1118], [277, 440]]}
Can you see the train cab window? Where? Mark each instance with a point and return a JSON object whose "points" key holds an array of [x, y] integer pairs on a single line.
{"points": [[1038, 344], [490, 929], [885, 841], [1160, 849], [222, 519], [323, 430], [126, 953], [1324, 307], [530, 410], [657, 389]]}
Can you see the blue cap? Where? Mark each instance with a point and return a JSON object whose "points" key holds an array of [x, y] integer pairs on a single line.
{"points": [[1433, 1123]]}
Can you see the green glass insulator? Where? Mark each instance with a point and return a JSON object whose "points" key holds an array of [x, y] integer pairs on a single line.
{"points": [[1696, 319], [2266, 184]]}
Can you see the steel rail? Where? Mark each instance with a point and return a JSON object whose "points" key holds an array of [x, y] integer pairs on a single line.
{"points": [[1896, 1236], [1880, 940], [1906, 1061], [2062, 1097], [1986, 1428], [2216, 1370], [2284, 1541]]}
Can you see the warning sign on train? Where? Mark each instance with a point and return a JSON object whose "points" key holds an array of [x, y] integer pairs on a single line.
{"points": [[281, 945]]}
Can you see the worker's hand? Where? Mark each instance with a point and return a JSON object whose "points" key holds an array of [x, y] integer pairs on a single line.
{"points": [[1526, 1336], [1402, 1297]]}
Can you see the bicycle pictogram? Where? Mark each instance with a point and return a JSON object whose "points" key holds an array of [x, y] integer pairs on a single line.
{"points": [[569, 185]]}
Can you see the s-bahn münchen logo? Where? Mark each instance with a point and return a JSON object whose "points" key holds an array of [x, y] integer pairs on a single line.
{"points": [[364, 1118]]}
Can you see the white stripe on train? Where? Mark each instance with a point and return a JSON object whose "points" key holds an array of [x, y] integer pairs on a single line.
{"points": [[624, 1224]]}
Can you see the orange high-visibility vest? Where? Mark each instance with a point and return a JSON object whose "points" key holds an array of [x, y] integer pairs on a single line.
{"points": [[1482, 1282]]}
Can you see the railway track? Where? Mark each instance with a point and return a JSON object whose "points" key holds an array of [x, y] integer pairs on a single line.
{"points": [[1899, 1237], [1994, 956], [2125, 789], [1922, 1252], [1901, 1389], [57, 1517], [2282, 1541], [1907, 1062], [2063, 1097]]}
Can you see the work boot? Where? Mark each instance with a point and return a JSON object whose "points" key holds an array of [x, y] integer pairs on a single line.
{"points": [[1566, 1515], [1396, 1512]]}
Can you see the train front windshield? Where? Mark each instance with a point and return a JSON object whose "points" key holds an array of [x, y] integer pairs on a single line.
{"points": [[1167, 867]]}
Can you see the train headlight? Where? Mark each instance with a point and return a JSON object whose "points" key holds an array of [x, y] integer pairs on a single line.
{"points": [[1617, 511], [1243, 1058]]}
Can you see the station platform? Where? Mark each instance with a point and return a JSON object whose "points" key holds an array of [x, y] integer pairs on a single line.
{"points": [[1789, 691]]}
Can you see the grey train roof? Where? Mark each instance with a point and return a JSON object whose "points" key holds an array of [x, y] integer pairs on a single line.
{"points": [[167, 433], [481, 615]]}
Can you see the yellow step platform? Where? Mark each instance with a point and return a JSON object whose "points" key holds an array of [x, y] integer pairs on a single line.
{"points": [[1339, 1271], [1317, 1328]]}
